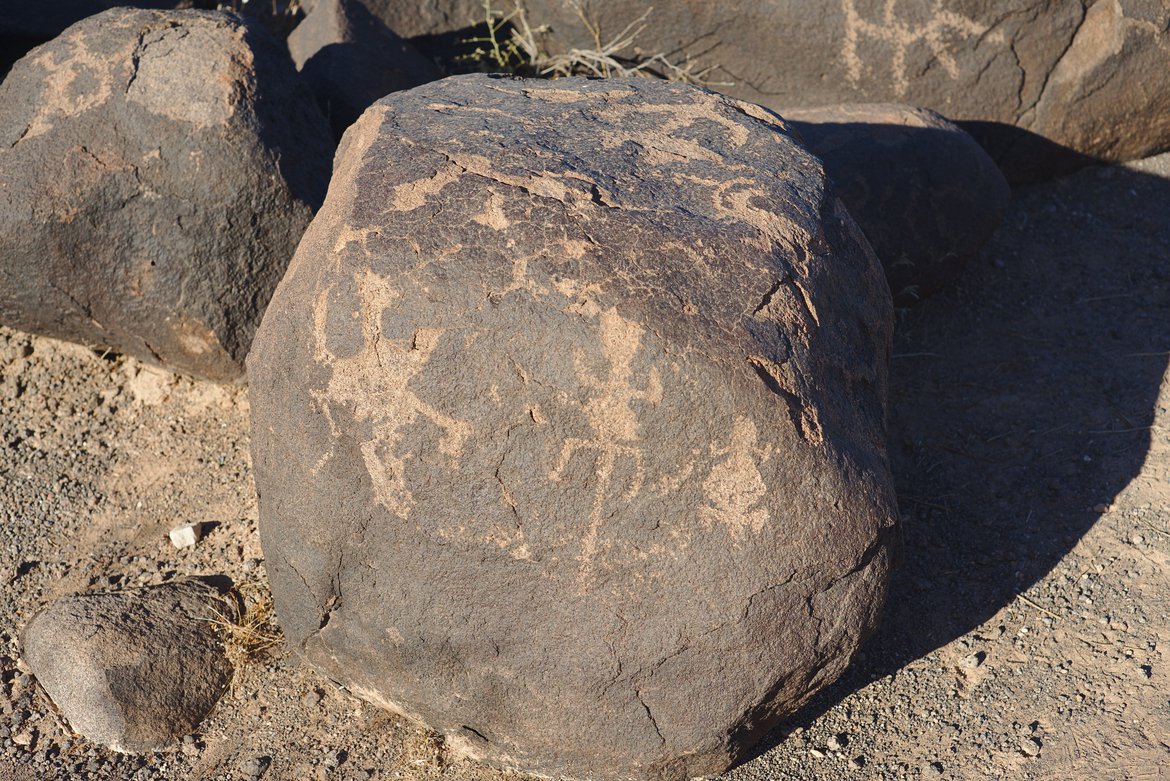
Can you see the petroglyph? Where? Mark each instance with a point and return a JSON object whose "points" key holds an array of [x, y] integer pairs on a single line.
{"points": [[613, 423], [937, 35], [735, 488], [493, 215], [74, 83], [374, 386]]}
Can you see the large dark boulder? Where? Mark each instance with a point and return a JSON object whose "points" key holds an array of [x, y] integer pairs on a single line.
{"points": [[1079, 78], [157, 169], [132, 669], [350, 59], [925, 194], [568, 424]]}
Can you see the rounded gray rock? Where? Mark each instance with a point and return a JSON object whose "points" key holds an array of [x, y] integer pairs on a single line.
{"points": [[157, 170], [924, 193], [350, 59], [131, 669], [568, 424]]}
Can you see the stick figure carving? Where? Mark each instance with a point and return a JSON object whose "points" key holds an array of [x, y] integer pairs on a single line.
{"points": [[612, 422]]}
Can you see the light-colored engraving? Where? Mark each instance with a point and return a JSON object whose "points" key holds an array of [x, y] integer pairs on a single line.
{"points": [[75, 82], [374, 386], [735, 488], [613, 423], [493, 213], [936, 35], [704, 106]]}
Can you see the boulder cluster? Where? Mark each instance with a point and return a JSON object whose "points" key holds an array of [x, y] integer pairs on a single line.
{"points": [[568, 396]]}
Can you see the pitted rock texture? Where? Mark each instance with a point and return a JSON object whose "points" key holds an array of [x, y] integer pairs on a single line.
{"points": [[924, 193], [350, 59], [131, 669], [1075, 72], [568, 424], [157, 170]]}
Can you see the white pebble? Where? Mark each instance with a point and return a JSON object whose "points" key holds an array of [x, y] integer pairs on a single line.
{"points": [[185, 536]]}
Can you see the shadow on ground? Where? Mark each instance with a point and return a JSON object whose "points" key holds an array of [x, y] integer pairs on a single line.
{"points": [[1021, 399]]}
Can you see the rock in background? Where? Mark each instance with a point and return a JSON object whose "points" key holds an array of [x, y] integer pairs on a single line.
{"points": [[350, 59], [1077, 74], [925, 194], [157, 170], [568, 424], [132, 669]]}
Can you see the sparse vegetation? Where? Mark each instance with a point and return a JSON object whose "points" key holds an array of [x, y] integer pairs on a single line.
{"points": [[248, 625], [425, 752], [512, 43]]}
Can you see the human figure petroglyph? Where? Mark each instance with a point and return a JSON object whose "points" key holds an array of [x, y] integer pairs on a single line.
{"points": [[375, 383], [903, 35], [613, 423]]}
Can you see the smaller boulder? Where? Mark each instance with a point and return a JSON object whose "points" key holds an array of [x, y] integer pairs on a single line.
{"points": [[924, 192], [157, 170], [350, 59], [132, 669]]}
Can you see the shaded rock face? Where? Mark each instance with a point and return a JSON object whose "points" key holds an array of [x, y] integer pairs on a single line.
{"points": [[568, 424], [350, 59], [1077, 77], [156, 172], [924, 193], [132, 669]]}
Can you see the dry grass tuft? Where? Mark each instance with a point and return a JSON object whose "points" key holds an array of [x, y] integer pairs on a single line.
{"points": [[247, 623], [425, 752], [513, 44]]}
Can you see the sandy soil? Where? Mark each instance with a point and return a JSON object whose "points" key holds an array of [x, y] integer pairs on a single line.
{"points": [[1026, 634]]}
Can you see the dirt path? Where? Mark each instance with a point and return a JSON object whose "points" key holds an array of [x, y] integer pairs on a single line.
{"points": [[1027, 631]]}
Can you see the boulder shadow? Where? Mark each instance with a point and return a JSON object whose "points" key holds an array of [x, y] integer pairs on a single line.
{"points": [[1021, 399], [1023, 156]]}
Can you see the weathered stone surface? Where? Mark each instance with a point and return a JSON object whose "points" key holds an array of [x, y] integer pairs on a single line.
{"points": [[568, 424], [924, 193], [1080, 78], [350, 59], [157, 170], [132, 669]]}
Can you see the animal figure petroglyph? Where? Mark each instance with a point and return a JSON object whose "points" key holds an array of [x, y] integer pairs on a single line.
{"points": [[902, 36]]}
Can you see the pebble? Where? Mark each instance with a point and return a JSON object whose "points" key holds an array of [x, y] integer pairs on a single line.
{"points": [[255, 767], [838, 742], [185, 536], [971, 661], [1030, 747], [933, 770]]}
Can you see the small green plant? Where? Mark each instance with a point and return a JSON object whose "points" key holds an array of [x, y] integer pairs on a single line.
{"points": [[512, 53]]}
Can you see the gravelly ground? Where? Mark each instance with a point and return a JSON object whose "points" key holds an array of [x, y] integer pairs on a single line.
{"points": [[1026, 635]]}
